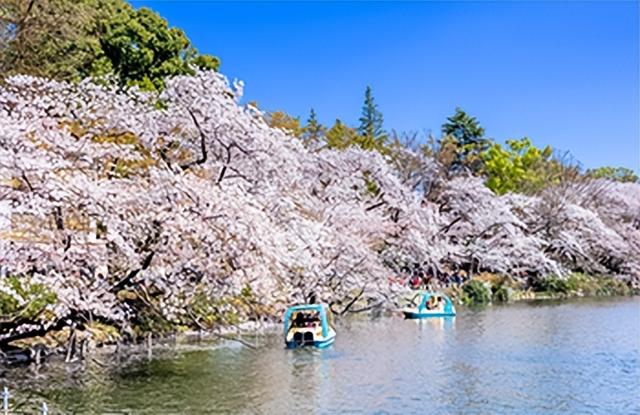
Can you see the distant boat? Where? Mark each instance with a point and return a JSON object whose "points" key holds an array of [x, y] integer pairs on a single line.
{"points": [[309, 325], [429, 304]]}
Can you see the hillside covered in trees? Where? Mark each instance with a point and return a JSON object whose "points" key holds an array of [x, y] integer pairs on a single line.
{"points": [[156, 201]]}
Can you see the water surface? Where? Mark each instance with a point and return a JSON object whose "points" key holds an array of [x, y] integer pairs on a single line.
{"points": [[570, 357]]}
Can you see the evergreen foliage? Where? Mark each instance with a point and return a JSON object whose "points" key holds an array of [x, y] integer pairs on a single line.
{"points": [[371, 124], [313, 130], [341, 136], [469, 140], [70, 40]]}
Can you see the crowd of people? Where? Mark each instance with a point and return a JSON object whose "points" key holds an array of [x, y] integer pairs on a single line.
{"points": [[418, 279], [301, 320]]}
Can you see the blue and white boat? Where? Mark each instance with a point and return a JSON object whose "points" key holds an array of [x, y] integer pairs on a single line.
{"points": [[309, 325], [429, 304]]}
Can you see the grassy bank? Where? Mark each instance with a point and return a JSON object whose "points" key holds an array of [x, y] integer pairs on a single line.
{"points": [[227, 318], [491, 288]]}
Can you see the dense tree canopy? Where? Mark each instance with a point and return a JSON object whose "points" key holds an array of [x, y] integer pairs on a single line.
{"points": [[469, 139], [517, 168], [199, 213], [53, 38], [142, 49], [70, 40], [174, 205], [341, 136]]}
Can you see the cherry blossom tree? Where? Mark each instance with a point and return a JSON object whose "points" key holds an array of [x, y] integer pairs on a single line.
{"points": [[185, 207]]}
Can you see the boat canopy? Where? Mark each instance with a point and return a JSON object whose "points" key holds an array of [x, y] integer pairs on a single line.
{"points": [[426, 295], [321, 309]]}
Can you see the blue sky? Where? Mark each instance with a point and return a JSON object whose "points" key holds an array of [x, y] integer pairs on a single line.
{"points": [[562, 73]]}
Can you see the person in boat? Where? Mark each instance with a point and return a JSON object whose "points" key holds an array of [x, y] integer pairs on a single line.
{"points": [[299, 320], [433, 303], [430, 303], [313, 320]]}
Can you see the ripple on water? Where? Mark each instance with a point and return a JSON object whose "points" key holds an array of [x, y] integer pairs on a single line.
{"points": [[538, 358]]}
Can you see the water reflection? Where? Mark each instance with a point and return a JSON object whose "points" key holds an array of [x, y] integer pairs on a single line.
{"points": [[572, 357], [435, 323]]}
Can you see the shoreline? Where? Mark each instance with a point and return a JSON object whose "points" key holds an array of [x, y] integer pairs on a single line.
{"points": [[118, 382], [73, 345]]}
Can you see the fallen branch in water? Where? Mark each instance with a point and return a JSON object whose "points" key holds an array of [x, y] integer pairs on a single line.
{"points": [[235, 339], [371, 307], [353, 301], [219, 335]]}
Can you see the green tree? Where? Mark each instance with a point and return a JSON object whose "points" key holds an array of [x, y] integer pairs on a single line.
{"points": [[284, 121], [341, 136], [371, 128], [142, 49], [469, 137], [53, 38], [69, 40], [518, 167], [313, 130], [619, 174]]}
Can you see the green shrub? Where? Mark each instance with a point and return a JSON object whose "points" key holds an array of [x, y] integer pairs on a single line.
{"points": [[501, 294], [582, 285], [34, 298], [611, 286], [476, 292], [552, 285]]}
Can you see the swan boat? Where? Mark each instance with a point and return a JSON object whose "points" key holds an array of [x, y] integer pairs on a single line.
{"points": [[429, 304], [309, 325]]}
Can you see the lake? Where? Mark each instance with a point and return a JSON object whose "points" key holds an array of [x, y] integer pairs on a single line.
{"points": [[579, 356]]}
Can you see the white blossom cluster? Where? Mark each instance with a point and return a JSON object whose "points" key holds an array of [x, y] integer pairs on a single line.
{"points": [[117, 199]]}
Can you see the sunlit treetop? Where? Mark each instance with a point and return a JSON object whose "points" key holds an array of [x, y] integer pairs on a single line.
{"points": [[120, 200], [70, 40]]}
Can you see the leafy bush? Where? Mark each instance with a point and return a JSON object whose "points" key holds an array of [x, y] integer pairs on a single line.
{"points": [[20, 297], [597, 286], [501, 294], [476, 292], [552, 285], [582, 284]]}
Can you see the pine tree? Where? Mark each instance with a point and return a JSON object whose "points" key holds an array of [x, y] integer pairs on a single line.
{"points": [[313, 130], [341, 136], [468, 137], [465, 128], [371, 122]]}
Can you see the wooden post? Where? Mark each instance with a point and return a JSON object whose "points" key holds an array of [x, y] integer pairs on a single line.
{"points": [[71, 346], [5, 400], [38, 356], [149, 346], [84, 345]]}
